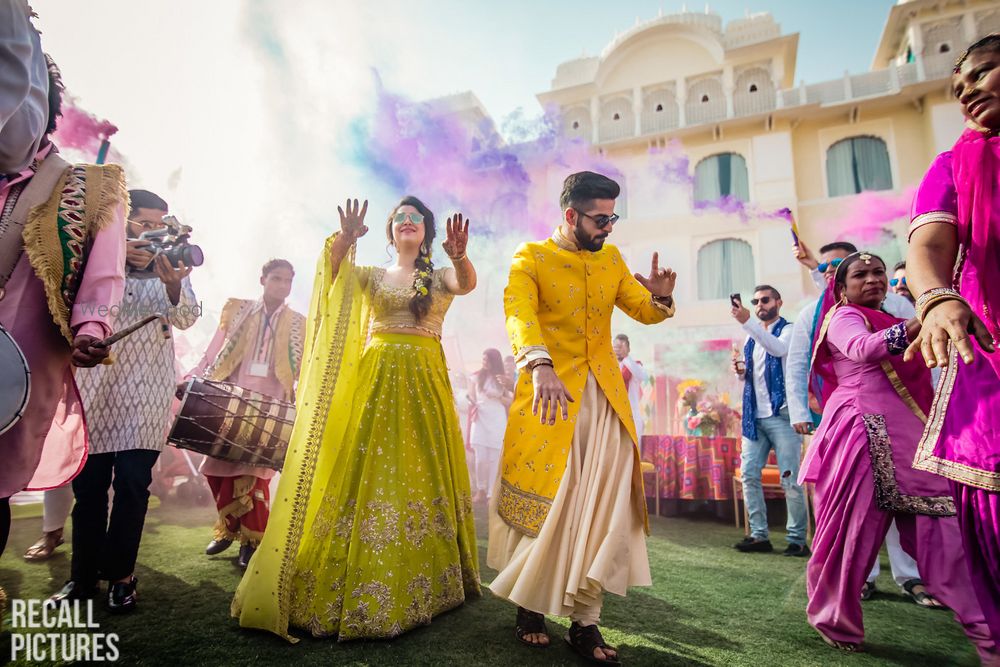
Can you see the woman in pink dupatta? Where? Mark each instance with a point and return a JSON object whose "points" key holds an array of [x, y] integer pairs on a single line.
{"points": [[956, 222], [861, 463]]}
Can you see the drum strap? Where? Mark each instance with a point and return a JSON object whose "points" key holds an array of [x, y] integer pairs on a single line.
{"points": [[20, 200]]}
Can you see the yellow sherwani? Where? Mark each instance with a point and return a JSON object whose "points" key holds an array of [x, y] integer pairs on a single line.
{"points": [[560, 299]]}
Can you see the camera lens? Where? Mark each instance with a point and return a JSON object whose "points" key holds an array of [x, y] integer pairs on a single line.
{"points": [[194, 256]]}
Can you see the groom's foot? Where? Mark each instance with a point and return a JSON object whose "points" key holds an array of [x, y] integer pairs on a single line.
{"points": [[530, 628]]}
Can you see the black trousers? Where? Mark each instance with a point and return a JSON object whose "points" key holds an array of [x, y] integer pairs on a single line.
{"points": [[4, 523], [104, 549]]}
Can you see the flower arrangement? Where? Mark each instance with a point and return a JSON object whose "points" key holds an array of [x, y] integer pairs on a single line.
{"points": [[704, 415]]}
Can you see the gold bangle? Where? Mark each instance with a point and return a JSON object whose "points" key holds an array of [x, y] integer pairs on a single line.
{"points": [[934, 297], [459, 258]]}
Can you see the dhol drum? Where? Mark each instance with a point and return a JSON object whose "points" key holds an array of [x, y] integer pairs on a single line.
{"points": [[227, 422], [15, 381]]}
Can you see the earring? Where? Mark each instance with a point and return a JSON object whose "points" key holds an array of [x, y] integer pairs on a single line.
{"points": [[423, 249]]}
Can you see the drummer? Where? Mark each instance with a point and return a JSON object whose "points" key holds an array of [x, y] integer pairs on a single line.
{"points": [[128, 412], [258, 346], [54, 326]]}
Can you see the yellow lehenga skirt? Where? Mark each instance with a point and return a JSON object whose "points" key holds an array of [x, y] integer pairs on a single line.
{"points": [[372, 532], [393, 542]]}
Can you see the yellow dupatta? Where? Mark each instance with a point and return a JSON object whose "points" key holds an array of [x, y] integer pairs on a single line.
{"points": [[336, 332]]}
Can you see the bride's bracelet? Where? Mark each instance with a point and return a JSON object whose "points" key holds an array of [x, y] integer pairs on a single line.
{"points": [[933, 297], [459, 258]]}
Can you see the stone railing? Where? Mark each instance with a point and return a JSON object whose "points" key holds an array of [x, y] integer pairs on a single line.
{"points": [[743, 104]]}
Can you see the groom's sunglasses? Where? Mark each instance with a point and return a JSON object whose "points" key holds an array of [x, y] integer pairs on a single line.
{"points": [[601, 221]]}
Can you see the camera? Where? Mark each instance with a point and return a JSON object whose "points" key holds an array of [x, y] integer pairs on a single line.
{"points": [[172, 242]]}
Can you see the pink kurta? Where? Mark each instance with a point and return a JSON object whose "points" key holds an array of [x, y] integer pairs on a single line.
{"points": [[48, 446], [962, 439], [269, 386], [861, 463]]}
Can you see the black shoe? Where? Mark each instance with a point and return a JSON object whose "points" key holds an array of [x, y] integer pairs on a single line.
{"points": [[867, 590], [217, 547], [246, 551], [797, 550], [121, 596], [753, 545], [74, 590]]}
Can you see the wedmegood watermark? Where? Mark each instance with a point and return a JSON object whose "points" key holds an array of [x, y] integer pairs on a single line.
{"points": [[138, 310], [46, 632]]}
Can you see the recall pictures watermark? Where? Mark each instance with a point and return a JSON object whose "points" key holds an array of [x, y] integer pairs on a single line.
{"points": [[67, 632]]}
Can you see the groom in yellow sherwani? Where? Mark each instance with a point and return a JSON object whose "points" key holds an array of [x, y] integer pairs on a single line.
{"points": [[569, 520]]}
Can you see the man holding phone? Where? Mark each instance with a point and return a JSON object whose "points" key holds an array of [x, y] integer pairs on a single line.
{"points": [[765, 421]]}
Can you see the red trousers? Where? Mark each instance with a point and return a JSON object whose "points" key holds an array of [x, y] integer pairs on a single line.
{"points": [[243, 507]]}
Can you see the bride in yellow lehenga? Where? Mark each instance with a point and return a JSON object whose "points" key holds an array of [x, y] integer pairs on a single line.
{"points": [[372, 532]]}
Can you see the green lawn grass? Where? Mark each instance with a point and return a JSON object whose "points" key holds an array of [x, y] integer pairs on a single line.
{"points": [[709, 605]]}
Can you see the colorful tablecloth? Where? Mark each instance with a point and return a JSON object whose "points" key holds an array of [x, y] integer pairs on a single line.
{"points": [[692, 468]]}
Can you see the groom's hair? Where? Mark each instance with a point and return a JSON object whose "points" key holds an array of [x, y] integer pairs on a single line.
{"points": [[581, 188]]}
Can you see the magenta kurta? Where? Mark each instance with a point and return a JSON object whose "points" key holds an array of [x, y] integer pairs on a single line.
{"points": [[860, 461], [962, 439], [48, 446]]}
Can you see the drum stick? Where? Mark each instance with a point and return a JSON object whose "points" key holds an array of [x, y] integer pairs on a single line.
{"points": [[111, 340]]}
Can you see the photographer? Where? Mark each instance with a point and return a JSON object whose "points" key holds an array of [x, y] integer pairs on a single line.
{"points": [[765, 421], [128, 410]]}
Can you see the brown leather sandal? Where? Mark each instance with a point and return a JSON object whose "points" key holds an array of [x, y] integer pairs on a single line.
{"points": [[530, 623], [585, 638], [45, 547]]}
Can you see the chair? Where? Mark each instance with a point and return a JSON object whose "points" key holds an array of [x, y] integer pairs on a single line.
{"points": [[647, 468], [770, 478]]}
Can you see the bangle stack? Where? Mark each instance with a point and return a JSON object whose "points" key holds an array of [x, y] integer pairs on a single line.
{"points": [[934, 297], [459, 258]]}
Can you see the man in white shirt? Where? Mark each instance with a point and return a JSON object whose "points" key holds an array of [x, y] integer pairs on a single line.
{"points": [[766, 424], [634, 375], [904, 567]]}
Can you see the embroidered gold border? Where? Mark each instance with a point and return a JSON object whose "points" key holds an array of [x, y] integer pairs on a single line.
{"points": [[317, 427], [903, 392], [522, 510], [926, 460], [931, 217], [887, 493]]}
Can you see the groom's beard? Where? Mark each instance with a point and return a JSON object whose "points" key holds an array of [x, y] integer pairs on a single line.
{"points": [[586, 243]]}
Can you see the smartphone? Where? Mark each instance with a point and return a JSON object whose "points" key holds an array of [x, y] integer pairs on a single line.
{"points": [[736, 300]]}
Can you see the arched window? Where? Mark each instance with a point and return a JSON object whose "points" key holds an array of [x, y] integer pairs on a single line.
{"points": [[725, 267], [722, 175], [857, 164]]}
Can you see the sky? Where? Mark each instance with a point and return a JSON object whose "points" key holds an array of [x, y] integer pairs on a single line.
{"points": [[239, 113]]}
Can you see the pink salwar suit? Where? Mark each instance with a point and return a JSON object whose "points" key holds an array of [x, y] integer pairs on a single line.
{"points": [[962, 438], [860, 461]]}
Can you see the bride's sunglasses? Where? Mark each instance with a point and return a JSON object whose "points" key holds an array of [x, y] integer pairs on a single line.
{"points": [[415, 218]]}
